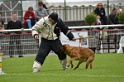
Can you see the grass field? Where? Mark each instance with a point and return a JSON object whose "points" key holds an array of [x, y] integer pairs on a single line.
{"points": [[106, 68]]}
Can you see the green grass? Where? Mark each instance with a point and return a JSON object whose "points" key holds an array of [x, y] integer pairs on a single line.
{"points": [[106, 68]]}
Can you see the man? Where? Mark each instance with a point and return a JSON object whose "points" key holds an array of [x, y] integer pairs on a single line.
{"points": [[49, 28], [15, 24], [40, 12], [113, 17]]}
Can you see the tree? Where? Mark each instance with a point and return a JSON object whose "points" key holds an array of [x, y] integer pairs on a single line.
{"points": [[90, 20], [121, 17]]}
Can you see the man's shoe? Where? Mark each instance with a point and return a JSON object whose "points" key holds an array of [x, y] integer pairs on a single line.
{"points": [[11, 56], [35, 70], [20, 56], [63, 63], [36, 67], [65, 68]]}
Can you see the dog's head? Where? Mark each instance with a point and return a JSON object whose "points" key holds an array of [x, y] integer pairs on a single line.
{"points": [[64, 47]]}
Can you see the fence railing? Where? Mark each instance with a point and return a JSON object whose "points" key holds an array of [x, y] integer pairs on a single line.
{"points": [[104, 40], [18, 44]]}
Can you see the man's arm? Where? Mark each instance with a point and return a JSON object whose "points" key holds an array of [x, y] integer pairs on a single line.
{"points": [[64, 28], [38, 26]]}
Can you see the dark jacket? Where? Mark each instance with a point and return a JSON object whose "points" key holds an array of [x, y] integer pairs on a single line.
{"points": [[14, 25], [113, 19], [49, 31], [101, 12], [62, 27]]}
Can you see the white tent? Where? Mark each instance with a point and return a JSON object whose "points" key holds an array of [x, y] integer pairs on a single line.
{"points": [[55, 3], [80, 2], [26, 4]]}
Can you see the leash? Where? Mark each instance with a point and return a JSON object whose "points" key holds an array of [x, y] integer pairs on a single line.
{"points": [[81, 38], [80, 44]]}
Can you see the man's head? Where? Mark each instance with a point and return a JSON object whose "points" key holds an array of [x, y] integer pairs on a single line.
{"points": [[40, 5], [14, 16], [114, 11], [53, 17]]}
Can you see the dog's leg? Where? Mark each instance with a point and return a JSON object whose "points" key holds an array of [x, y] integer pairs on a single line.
{"points": [[71, 65], [89, 62], [87, 65], [90, 65], [70, 62], [78, 65]]}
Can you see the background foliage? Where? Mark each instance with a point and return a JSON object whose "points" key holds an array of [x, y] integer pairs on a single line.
{"points": [[90, 19]]}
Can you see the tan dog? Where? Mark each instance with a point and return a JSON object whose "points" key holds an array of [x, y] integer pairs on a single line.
{"points": [[80, 54]]}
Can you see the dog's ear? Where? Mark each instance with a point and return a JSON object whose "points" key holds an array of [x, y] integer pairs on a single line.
{"points": [[62, 48]]}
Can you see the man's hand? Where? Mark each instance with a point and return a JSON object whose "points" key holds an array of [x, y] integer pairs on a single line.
{"points": [[36, 37], [22, 29], [74, 39]]}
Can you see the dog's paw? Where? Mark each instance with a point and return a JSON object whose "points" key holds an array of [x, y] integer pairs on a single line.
{"points": [[75, 68], [68, 65]]}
